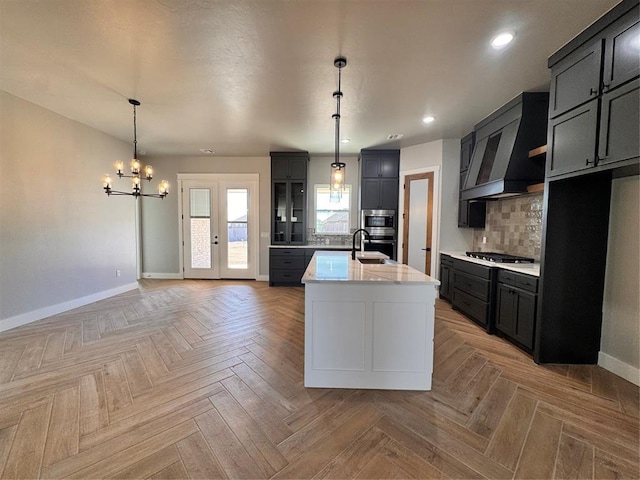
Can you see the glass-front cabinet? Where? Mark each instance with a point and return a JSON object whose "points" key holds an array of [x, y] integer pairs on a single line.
{"points": [[289, 199]]}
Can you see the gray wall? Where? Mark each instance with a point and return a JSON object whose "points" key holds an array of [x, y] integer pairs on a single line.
{"points": [[61, 237], [444, 154], [621, 309], [160, 225]]}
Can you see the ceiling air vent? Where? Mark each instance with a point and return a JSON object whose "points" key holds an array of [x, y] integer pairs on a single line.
{"points": [[395, 136]]}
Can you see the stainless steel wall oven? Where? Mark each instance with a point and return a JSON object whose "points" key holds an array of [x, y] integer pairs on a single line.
{"points": [[382, 228]]}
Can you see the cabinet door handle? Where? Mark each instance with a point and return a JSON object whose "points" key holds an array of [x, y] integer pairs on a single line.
{"points": [[605, 87], [593, 92], [590, 162]]}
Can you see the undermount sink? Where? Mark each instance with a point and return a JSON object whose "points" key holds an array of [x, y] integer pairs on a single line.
{"points": [[378, 261]]}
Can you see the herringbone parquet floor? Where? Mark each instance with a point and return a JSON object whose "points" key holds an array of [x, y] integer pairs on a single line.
{"points": [[203, 379]]}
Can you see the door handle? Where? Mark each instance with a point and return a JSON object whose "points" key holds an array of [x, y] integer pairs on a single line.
{"points": [[428, 249]]}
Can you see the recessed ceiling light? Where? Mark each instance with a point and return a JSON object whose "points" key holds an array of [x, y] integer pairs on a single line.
{"points": [[502, 40], [208, 151], [428, 119], [345, 140]]}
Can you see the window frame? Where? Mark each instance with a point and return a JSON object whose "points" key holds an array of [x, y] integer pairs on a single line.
{"points": [[316, 187]]}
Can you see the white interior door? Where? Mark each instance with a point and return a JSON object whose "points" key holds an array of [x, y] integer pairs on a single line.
{"points": [[200, 229], [220, 235], [418, 221]]}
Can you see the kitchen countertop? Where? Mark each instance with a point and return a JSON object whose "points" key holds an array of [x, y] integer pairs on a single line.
{"points": [[532, 269], [318, 246], [338, 267]]}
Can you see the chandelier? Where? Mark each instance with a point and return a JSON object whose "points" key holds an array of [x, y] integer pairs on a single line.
{"points": [[338, 170], [136, 178]]}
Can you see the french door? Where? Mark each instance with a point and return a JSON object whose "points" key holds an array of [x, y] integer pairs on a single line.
{"points": [[219, 216]]}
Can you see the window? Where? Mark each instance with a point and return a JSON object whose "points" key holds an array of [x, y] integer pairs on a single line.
{"points": [[332, 218]]}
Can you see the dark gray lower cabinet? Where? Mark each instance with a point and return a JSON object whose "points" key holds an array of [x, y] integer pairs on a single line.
{"points": [[500, 300], [516, 307], [446, 279], [474, 292], [287, 265]]}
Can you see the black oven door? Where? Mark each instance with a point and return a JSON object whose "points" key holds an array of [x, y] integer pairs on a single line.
{"points": [[382, 246]]}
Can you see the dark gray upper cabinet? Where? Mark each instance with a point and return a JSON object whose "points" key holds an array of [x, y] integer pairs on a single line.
{"points": [[619, 137], [380, 170], [572, 140], [621, 61], [594, 110], [470, 214], [380, 163], [466, 149], [576, 79], [379, 194], [289, 197], [289, 165]]}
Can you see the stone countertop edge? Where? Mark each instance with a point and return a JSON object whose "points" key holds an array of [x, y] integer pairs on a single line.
{"points": [[342, 269], [318, 246], [532, 269]]}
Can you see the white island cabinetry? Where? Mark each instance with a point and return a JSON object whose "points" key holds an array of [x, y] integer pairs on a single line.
{"points": [[367, 325]]}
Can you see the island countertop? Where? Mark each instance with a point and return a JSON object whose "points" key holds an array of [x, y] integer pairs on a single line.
{"points": [[338, 267]]}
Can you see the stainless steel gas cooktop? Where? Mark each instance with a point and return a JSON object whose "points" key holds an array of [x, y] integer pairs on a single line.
{"points": [[499, 257]]}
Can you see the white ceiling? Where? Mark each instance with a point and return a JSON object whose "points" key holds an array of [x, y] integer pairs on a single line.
{"points": [[246, 77]]}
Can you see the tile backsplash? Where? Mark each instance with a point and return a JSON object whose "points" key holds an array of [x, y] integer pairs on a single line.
{"points": [[341, 240], [513, 226]]}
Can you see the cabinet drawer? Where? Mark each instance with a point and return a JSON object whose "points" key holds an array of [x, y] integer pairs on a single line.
{"points": [[527, 282], [446, 260], [285, 276], [472, 268], [471, 306], [472, 285], [505, 276], [296, 262], [288, 252]]}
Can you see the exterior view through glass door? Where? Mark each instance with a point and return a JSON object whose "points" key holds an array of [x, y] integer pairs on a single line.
{"points": [[219, 228], [200, 230]]}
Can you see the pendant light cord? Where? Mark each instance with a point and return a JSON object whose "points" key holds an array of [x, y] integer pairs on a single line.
{"points": [[135, 135]]}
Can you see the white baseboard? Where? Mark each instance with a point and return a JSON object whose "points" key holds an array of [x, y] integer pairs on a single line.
{"points": [[24, 318], [163, 276], [618, 367], [262, 278]]}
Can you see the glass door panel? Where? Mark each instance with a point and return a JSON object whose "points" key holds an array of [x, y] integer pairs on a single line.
{"points": [[297, 212], [280, 233], [237, 228], [200, 230]]}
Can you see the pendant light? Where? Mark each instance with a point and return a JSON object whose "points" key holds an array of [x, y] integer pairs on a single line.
{"points": [[163, 188], [338, 170]]}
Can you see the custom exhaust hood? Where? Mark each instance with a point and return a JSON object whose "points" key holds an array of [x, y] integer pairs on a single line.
{"points": [[500, 164]]}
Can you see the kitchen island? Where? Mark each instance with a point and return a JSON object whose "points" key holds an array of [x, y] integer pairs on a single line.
{"points": [[367, 325]]}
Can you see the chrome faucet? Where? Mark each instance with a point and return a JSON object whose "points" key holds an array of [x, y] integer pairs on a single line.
{"points": [[353, 244]]}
